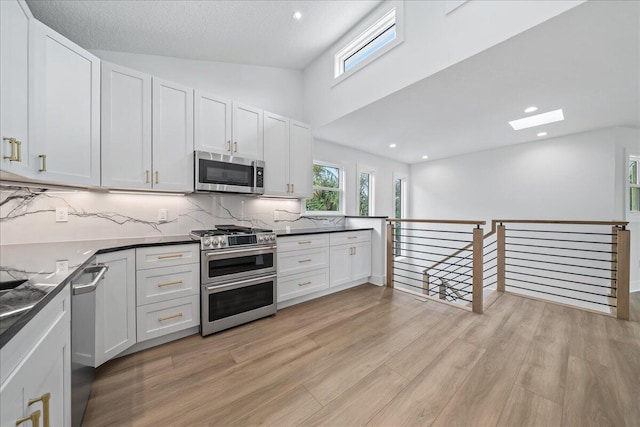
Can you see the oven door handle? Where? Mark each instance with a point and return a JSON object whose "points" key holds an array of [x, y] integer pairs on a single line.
{"points": [[239, 251], [241, 282]]}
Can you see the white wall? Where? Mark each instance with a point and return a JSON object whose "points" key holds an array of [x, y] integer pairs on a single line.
{"points": [[579, 177], [273, 89], [433, 41], [350, 159]]}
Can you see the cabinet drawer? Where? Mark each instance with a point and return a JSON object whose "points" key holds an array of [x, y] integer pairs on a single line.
{"points": [[164, 256], [300, 261], [165, 283], [296, 243], [165, 317], [302, 284], [350, 237]]}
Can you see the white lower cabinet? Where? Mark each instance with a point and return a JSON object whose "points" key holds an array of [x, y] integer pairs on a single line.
{"points": [[36, 368], [116, 305], [302, 284], [168, 290], [350, 262]]}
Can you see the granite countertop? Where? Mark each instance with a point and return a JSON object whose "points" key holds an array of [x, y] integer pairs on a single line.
{"points": [[33, 268], [320, 230]]}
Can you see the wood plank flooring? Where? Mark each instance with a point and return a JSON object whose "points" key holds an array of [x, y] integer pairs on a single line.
{"points": [[378, 357]]}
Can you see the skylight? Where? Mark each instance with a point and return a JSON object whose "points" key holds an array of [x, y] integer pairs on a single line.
{"points": [[372, 40], [537, 120]]}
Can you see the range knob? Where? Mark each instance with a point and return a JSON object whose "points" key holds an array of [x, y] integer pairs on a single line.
{"points": [[206, 241], [272, 237], [223, 242], [215, 241], [261, 238]]}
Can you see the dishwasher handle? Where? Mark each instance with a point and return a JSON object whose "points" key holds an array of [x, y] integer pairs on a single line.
{"points": [[84, 288]]}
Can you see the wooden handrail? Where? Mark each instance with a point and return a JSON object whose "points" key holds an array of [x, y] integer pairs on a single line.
{"points": [[438, 221], [554, 221]]}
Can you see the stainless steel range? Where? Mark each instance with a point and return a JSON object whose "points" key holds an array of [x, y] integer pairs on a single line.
{"points": [[237, 276]]}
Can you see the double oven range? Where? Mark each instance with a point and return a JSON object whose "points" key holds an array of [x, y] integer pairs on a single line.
{"points": [[237, 276]]}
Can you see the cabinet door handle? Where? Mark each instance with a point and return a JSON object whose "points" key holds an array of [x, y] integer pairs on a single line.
{"points": [[146, 174], [176, 282], [45, 407], [304, 242], [12, 156], [19, 144], [304, 283], [43, 159], [229, 145], [288, 188], [304, 260], [235, 147], [293, 188], [170, 256], [173, 316], [352, 237], [157, 177], [34, 417]]}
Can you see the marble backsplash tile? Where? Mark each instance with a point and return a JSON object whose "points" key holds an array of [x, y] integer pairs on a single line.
{"points": [[27, 215]]}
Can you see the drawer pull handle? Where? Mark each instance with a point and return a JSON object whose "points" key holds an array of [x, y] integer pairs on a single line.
{"points": [[304, 260], [352, 237], [34, 418], [170, 256], [45, 407], [304, 242], [304, 283], [177, 282], [173, 316]]}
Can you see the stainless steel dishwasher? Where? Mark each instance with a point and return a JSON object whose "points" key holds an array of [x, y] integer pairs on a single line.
{"points": [[83, 340]]}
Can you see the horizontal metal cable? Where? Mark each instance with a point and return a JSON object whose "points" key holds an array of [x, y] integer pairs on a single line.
{"points": [[562, 232], [424, 259], [434, 253], [559, 287], [456, 282], [555, 278], [432, 238], [490, 244], [437, 291], [557, 271], [564, 249], [490, 268], [436, 269], [490, 260], [561, 296], [490, 252], [432, 246], [559, 263], [558, 240], [434, 231], [560, 256], [490, 276], [447, 272], [490, 284]]}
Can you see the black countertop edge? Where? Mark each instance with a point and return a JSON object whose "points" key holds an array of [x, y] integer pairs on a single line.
{"points": [[365, 217], [320, 230], [20, 321]]}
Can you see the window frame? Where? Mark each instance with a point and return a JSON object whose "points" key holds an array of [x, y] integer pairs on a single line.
{"points": [[404, 206], [629, 185], [360, 169], [340, 190], [363, 34]]}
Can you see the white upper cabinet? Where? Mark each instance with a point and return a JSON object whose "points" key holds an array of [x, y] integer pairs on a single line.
{"points": [[15, 20], [172, 136], [288, 154], [247, 132], [65, 101], [212, 123], [276, 155], [126, 128], [301, 155]]}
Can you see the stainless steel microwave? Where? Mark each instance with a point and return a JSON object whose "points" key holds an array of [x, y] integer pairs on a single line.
{"points": [[228, 174]]}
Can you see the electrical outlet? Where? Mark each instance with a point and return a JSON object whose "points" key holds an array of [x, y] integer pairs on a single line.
{"points": [[276, 215], [62, 214], [163, 215], [62, 267]]}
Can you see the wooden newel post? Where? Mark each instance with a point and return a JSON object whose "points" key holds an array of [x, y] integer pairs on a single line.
{"points": [[478, 242], [622, 273], [390, 255], [500, 260]]}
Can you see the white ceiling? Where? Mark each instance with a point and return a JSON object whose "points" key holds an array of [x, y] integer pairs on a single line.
{"points": [[584, 61], [238, 31]]}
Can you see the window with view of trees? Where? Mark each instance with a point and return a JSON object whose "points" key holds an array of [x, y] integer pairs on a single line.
{"points": [[399, 207], [327, 187], [634, 184], [365, 208]]}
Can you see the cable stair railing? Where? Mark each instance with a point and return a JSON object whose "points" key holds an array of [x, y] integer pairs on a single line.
{"points": [[441, 260]]}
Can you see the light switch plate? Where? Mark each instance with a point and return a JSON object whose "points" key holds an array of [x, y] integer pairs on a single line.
{"points": [[62, 267], [163, 214], [62, 214]]}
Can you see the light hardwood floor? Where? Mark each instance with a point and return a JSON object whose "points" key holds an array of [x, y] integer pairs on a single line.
{"points": [[378, 357]]}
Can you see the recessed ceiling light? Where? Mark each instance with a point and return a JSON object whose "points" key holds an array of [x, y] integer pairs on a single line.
{"points": [[542, 134], [297, 15], [531, 109], [392, 145], [425, 157], [537, 120]]}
